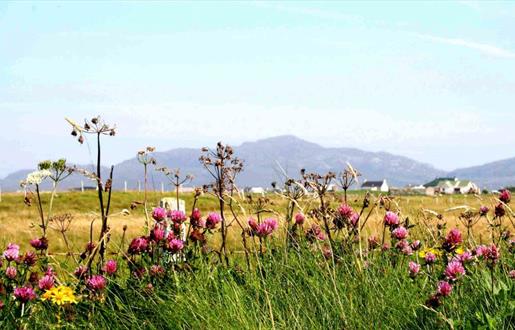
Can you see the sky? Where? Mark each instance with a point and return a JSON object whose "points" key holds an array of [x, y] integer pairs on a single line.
{"points": [[434, 81]]}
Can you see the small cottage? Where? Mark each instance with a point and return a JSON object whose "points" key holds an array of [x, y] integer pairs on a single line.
{"points": [[451, 186], [375, 186]]}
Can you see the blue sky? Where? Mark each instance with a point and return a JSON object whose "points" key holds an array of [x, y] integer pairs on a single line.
{"points": [[432, 81]]}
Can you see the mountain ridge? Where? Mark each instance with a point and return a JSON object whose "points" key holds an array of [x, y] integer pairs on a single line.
{"points": [[265, 159]]}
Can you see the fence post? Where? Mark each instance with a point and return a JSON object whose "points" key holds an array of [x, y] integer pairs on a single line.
{"points": [[125, 186], [81, 186], [162, 188], [139, 186], [0, 193]]}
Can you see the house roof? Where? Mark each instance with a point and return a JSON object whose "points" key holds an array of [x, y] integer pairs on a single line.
{"points": [[438, 182], [372, 184], [463, 183], [448, 183]]}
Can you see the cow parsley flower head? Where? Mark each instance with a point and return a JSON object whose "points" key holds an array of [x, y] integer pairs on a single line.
{"points": [[36, 177]]}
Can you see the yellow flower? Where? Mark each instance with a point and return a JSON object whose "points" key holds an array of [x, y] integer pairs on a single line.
{"points": [[460, 250], [60, 295], [423, 252]]}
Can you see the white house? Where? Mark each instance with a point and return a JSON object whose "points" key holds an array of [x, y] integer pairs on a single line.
{"points": [[451, 186], [375, 186], [255, 190]]}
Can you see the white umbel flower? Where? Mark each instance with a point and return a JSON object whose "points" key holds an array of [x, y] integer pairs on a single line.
{"points": [[36, 177]]}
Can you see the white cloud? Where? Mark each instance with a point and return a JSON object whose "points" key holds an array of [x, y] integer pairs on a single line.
{"points": [[486, 49]]}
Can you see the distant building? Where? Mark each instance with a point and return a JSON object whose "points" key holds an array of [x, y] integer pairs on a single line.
{"points": [[183, 189], [410, 189], [255, 190], [376, 186], [451, 186]]}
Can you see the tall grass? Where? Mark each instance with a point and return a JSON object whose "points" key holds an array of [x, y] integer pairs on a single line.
{"points": [[298, 290]]}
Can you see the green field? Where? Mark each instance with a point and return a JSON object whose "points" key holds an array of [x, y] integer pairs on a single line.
{"points": [[277, 286]]}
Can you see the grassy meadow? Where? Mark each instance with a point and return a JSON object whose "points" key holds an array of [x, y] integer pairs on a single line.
{"points": [[279, 288], [19, 222]]}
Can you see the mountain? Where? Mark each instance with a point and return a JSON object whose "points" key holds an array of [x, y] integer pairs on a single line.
{"points": [[492, 175], [12, 181], [264, 162]]}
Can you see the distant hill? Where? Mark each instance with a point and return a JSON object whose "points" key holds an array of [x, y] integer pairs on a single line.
{"points": [[492, 175], [12, 181], [264, 162]]}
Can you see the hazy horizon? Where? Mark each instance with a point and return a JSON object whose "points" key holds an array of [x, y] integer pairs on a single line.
{"points": [[434, 82]]}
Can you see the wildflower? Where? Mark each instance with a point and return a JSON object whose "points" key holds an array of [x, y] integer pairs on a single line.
{"points": [[253, 224], [36, 177], [299, 219], [96, 283], [481, 250], [454, 269], [11, 272], [30, 258], [505, 196], [201, 223], [195, 217], [315, 233], [24, 294], [483, 210], [427, 250], [414, 268], [415, 245], [499, 210], [391, 219], [464, 256], [429, 258], [138, 245], [345, 211], [12, 252], [157, 234], [60, 295], [159, 214], [157, 271], [197, 236], [212, 220], [177, 216], [493, 254], [110, 267], [385, 247], [149, 288], [46, 283], [39, 243], [50, 271], [266, 228], [444, 288], [175, 245], [90, 246], [400, 233], [373, 242], [404, 247], [511, 274], [453, 238], [1, 305], [80, 271], [354, 219]]}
